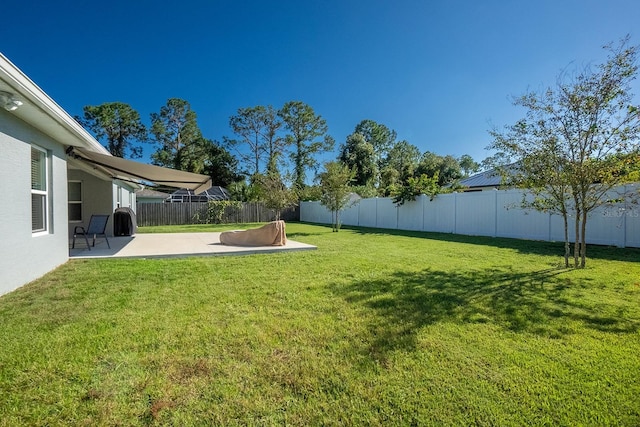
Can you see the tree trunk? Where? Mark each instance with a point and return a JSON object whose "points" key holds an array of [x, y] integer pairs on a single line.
{"points": [[576, 248], [299, 165], [256, 165], [567, 245], [583, 241]]}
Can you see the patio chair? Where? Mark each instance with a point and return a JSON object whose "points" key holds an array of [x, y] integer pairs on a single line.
{"points": [[97, 227]]}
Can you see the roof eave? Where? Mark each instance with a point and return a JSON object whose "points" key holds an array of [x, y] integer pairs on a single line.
{"points": [[42, 112]]}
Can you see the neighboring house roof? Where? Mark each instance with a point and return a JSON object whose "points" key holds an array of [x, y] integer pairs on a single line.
{"points": [[151, 194], [490, 178], [213, 193]]}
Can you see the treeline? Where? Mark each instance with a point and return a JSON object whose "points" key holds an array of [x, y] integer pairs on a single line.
{"points": [[383, 166], [271, 148]]}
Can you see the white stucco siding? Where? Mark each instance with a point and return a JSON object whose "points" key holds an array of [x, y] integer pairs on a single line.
{"points": [[24, 256], [96, 198], [123, 195]]}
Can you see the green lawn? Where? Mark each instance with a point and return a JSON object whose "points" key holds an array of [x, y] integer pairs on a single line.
{"points": [[373, 328]]}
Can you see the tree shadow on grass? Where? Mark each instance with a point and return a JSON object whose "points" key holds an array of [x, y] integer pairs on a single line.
{"points": [[523, 246], [295, 234], [545, 303]]}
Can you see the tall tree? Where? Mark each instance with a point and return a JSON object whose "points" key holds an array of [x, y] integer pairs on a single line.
{"points": [[379, 136], [446, 167], [305, 127], [389, 181], [275, 144], [248, 125], [334, 182], [468, 165], [570, 144], [257, 129], [220, 165], [118, 124], [414, 187], [359, 156], [175, 130], [403, 157]]}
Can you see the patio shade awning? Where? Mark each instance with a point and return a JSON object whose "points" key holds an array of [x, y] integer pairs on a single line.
{"points": [[129, 170]]}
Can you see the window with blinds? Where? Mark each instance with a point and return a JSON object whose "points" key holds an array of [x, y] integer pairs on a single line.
{"points": [[39, 190]]}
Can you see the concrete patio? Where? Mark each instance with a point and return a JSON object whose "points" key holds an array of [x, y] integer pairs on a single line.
{"points": [[163, 245]]}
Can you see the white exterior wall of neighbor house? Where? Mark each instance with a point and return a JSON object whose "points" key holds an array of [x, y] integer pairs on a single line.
{"points": [[149, 199], [23, 255]]}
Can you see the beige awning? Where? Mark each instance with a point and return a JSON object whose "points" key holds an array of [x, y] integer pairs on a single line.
{"points": [[129, 170]]}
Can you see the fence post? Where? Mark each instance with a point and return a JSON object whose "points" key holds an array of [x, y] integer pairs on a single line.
{"points": [[495, 213]]}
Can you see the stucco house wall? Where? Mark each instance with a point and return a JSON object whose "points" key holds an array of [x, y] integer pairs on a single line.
{"points": [[124, 195], [30, 119], [95, 198], [25, 256], [36, 121]]}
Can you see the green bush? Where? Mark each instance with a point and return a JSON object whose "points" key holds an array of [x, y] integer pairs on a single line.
{"points": [[217, 208]]}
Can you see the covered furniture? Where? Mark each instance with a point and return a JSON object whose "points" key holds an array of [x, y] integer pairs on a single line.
{"points": [[97, 227], [124, 222], [271, 234]]}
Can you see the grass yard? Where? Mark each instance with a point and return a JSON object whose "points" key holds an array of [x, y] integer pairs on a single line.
{"points": [[375, 328]]}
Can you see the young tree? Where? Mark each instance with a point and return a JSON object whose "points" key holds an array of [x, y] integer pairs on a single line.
{"points": [[569, 146], [304, 127], [359, 156], [176, 131], [274, 193], [119, 124], [334, 182]]}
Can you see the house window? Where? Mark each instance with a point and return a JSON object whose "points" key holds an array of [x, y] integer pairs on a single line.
{"points": [[39, 190], [75, 201]]}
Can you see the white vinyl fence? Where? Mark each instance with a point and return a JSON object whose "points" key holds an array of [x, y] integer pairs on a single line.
{"points": [[494, 213]]}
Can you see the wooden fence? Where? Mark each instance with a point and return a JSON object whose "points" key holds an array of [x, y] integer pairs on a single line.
{"points": [[148, 214]]}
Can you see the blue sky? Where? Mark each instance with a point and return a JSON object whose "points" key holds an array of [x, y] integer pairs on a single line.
{"points": [[441, 73]]}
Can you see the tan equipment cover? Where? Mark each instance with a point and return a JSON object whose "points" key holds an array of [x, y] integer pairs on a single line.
{"points": [[271, 234]]}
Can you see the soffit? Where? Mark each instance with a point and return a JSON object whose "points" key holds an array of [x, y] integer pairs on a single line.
{"points": [[42, 112]]}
